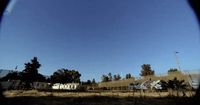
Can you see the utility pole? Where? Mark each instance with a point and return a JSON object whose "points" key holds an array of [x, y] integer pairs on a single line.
{"points": [[177, 60]]}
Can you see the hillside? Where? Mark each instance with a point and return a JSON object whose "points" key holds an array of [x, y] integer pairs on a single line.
{"points": [[187, 77]]}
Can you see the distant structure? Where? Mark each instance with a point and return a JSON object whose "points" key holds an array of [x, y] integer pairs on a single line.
{"points": [[190, 77], [194, 78], [67, 86], [4, 72]]}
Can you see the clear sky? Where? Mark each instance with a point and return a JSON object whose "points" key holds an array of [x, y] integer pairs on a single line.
{"points": [[96, 37]]}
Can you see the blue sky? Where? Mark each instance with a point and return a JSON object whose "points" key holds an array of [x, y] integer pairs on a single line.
{"points": [[96, 37]]}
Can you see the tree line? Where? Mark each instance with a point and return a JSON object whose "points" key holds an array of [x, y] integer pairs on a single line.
{"points": [[30, 74], [146, 70]]}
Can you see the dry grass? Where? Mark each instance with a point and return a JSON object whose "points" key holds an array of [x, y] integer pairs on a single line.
{"points": [[126, 82], [34, 97], [35, 93]]}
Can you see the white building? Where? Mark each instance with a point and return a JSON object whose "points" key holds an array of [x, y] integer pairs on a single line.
{"points": [[67, 86]]}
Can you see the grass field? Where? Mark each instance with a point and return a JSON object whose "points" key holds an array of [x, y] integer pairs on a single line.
{"points": [[126, 82], [34, 97]]}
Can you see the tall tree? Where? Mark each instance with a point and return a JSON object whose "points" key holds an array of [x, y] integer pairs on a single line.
{"points": [[146, 70], [75, 75], [89, 82], [109, 77], [117, 77], [128, 76], [30, 73], [93, 81], [104, 78]]}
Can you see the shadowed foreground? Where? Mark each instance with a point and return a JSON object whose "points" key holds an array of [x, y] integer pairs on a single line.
{"points": [[34, 97], [98, 100]]}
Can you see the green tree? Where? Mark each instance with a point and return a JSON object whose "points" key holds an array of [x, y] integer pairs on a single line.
{"points": [[176, 84], [109, 77], [30, 73], [93, 81], [114, 77], [146, 70], [104, 78], [173, 70], [65, 76], [41, 78], [88, 82], [75, 76], [117, 77], [128, 76]]}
